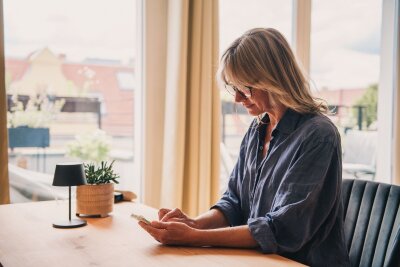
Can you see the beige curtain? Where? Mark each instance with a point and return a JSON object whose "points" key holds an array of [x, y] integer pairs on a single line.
{"points": [[4, 183], [190, 170], [149, 140]]}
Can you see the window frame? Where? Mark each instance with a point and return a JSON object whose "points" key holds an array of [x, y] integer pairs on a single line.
{"points": [[389, 126]]}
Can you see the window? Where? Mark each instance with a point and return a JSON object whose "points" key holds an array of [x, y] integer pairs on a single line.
{"points": [[126, 80], [69, 73], [236, 17], [345, 58]]}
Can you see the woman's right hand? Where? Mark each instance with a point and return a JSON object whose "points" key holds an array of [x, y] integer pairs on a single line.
{"points": [[176, 215]]}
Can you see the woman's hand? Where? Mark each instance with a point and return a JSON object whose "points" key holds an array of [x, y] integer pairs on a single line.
{"points": [[176, 233], [171, 233], [176, 215]]}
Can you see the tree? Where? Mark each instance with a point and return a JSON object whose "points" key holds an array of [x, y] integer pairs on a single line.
{"points": [[369, 100]]}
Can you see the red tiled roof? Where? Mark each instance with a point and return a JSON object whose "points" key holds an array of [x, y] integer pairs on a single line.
{"points": [[16, 67], [341, 97], [118, 119]]}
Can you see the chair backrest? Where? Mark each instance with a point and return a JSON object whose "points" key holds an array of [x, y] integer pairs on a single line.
{"points": [[372, 221], [359, 147]]}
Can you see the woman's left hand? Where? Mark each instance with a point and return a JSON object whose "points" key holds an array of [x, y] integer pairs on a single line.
{"points": [[171, 233]]}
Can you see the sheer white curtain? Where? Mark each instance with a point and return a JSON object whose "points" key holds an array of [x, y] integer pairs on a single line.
{"points": [[190, 135], [388, 163], [149, 128], [396, 85]]}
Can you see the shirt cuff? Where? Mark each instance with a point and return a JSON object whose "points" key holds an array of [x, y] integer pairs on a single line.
{"points": [[229, 212], [260, 229]]}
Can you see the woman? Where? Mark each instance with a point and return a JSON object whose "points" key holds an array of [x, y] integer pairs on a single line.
{"points": [[284, 194]]}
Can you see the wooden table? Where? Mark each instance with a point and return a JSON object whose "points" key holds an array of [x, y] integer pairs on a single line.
{"points": [[27, 238]]}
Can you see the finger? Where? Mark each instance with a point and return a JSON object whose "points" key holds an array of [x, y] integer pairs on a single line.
{"points": [[175, 219], [154, 232], [159, 224], [162, 212], [145, 226], [155, 227], [171, 214]]}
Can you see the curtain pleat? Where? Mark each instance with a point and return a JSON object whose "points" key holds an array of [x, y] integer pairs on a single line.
{"points": [[192, 112]]}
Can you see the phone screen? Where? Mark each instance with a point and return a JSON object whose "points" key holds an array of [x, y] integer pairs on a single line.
{"points": [[140, 218]]}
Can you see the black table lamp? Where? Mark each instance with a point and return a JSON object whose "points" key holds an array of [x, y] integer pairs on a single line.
{"points": [[69, 174]]}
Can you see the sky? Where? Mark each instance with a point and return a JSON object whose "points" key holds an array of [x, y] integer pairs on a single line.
{"points": [[345, 35], [77, 28]]}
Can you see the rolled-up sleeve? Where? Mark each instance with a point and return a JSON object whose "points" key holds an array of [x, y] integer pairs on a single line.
{"points": [[230, 202], [303, 202]]}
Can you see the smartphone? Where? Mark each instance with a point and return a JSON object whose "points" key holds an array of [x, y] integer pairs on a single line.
{"points": [[140, 218]]}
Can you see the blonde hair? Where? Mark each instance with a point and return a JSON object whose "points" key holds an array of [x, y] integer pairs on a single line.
{"points": [[262, 58]]}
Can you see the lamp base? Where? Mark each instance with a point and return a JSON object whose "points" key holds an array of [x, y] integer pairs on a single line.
{"points": [[74, 223]]}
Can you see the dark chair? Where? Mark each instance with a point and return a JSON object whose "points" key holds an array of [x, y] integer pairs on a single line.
{"points": [[372, 223]]}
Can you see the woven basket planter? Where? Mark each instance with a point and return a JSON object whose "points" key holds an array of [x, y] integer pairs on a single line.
{"points": [[95, 200]]}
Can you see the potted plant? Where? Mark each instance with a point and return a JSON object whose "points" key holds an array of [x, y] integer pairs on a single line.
{"points": [[92, 146], [28, 124], [96, 198]]}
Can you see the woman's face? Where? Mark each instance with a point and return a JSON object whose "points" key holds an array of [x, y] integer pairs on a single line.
{"points": [[258, 103]]}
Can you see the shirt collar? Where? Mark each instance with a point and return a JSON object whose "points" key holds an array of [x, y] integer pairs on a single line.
{"points": [[288, 122]]}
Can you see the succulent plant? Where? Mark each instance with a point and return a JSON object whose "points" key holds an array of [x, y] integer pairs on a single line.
{"points": [[100, 174]]}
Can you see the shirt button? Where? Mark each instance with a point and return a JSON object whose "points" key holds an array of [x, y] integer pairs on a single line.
{"points": [[261, 147]]}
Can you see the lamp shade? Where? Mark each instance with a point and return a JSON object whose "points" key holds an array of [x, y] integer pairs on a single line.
{"points": [[69, 174]]}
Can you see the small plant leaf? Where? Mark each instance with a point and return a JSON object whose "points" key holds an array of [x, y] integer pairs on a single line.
{"points": [[102, 174]]}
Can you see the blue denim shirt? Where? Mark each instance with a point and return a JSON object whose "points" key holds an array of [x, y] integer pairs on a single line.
{"points": [[291, 198]]}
